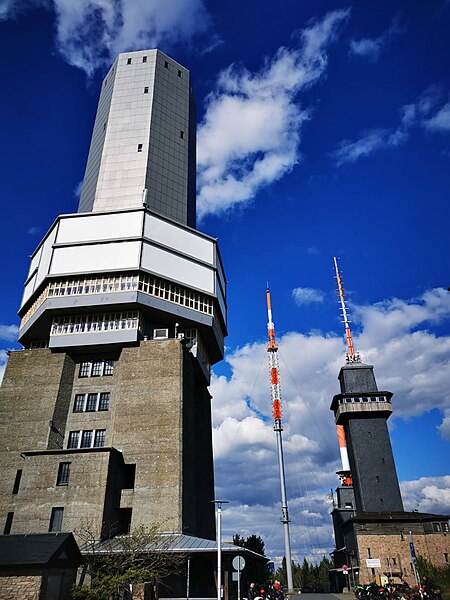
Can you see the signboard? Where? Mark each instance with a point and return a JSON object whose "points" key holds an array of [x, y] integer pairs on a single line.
{"points": [[238, 563], [235, 576], [412, 549], [373, 563]]}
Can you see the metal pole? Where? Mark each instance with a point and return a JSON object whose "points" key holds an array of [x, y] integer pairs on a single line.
{"points": [[219, 546], [239, 581], [284, 508], [188, 578]]}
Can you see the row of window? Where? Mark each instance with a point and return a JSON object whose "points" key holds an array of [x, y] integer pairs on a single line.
{"points": [[91, 402], [97, 368], [356, 399], [87, 438], [166, 64], [123, 283], [95, 323]]}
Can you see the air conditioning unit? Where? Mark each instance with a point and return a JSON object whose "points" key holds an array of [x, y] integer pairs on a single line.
{"points": [[160, 334]]}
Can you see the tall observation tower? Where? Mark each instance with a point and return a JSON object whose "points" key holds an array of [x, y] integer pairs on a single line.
{"points": [[105, 414]]}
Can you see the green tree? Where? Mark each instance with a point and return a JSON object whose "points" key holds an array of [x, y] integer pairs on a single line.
{"points": [[141, 556], [255, 569]]}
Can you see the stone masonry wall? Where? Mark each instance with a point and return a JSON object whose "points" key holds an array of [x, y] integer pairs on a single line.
{"points": [[20, 587], [431, 546]]}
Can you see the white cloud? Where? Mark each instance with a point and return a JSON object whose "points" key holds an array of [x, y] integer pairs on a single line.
{"points": [[396, 336], [3, 361], [441, 120], [89, 33], [9, 333], [427, 494], [307, 296], [371, 48], [415, 114], [250, 134]]}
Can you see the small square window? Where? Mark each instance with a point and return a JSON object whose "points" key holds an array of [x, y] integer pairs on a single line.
{"points": [[63, 473], [86, 439], [85, 369], [139, 148], [97, 368], [129, 61], [74, 437], [56, 519], [104, 401], [180, 74], [104, 126], [182, 135], [99, 440], [166, 64], [106, 81], [144, 59], [109, 367], [146, 90], [91, 403]]}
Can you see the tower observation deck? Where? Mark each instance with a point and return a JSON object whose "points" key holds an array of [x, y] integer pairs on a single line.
{"points": [[122, 316]]}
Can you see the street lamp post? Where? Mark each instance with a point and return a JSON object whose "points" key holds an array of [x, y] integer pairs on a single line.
{"points": [[219, 546]]}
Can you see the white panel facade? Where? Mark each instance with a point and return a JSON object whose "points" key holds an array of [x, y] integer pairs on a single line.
{"points": [[182, 240], [28, 290], [95, 258], [92, 227], [179, 269], [46, 256], [35, 261]]}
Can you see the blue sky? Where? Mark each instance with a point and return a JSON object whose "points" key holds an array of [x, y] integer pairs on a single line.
{"points": [[323, 129]]}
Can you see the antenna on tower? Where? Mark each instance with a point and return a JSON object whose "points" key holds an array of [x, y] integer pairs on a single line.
{"points": [[352, 356], [272, 350]]}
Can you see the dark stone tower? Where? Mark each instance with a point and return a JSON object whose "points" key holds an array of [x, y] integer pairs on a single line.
{"points": [[363, 410]]}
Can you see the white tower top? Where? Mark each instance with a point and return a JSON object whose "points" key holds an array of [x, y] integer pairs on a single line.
{"points": [[143, 143]]}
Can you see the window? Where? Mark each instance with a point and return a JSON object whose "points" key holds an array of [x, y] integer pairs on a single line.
{"points": [[166, 64], [180, 74], [86, 439], [369, 555], [99, 440], [109, 367], [78, 405], [63, 473], [91, 403], [103, 403], [56, 518], [144, 59], [146, 90], [182, 135], [8, 523], [437, 527], [17, 481], [85, 369], [402, 536], [139, 148], [446, 557], [74, 438], [97, 368], [129, 61]]}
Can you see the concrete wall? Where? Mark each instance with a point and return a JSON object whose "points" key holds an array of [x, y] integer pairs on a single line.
{"points": [[159, 419]]}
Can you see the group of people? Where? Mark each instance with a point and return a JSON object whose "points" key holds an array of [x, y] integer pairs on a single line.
{"points": [[273, 590]]}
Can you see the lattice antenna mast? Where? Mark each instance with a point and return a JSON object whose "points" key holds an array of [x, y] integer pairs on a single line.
{"points": [[272, 350], [352, 356]]}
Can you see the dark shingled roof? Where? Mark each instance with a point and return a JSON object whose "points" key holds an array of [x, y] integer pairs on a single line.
{"points": [[38, 549]]}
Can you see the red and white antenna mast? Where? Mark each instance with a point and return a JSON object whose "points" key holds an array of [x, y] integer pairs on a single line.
{"points": [[345, 475], [272, 350], [351, 355]]}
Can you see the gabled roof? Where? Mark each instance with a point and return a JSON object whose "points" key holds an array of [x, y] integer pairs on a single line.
{"points": [[39, 549], [171, 542]]}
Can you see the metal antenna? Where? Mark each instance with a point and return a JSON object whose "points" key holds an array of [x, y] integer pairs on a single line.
{"points": [[351, 355], [272, 350]]}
